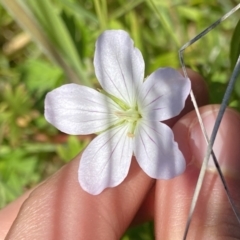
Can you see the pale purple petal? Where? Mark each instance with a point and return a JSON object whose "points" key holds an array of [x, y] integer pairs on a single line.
{"points": [[106, 161], [163, 94], [119, 66], [76, 109], [156, 151]]}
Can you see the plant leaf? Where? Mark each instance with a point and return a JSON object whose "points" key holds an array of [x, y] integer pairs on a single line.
{"points": [[235, 46]]}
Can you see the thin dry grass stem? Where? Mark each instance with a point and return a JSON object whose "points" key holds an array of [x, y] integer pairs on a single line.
{"points": [[216, 125]]}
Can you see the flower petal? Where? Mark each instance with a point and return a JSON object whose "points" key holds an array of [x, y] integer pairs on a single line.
{"points": [[106, 161], [119, 66], [163, 94], [156, 152], [76, 109]]}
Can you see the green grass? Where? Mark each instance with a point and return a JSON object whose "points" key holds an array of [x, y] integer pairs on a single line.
{"points": [[64, 33]]}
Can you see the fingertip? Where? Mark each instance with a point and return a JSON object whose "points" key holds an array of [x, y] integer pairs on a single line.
{"points": [[226, 146], [213, 217]]}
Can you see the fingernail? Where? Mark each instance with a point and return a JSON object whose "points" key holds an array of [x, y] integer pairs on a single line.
{"points": [[226, 146]]}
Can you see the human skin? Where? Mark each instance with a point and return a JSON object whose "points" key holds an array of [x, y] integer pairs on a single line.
{"points": [[59, 209]]}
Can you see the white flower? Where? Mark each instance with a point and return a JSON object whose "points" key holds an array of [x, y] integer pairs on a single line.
{"points": [[127, 114]]}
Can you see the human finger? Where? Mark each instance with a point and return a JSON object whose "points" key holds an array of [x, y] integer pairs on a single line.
{"points": [[9, 213], [60, 209], [213, 217]]}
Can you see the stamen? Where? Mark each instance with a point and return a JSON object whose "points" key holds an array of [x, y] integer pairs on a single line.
{"points": [[131, 135]]}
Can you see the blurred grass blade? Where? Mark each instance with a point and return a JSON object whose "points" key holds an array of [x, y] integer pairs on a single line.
{"points": [[165, 21], [101, 10], [235, 46], [127, 7], [79, 11], [57, 32], [63, 54]]}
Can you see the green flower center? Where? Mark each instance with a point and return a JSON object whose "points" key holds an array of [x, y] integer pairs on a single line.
{"points": [[131, 116], [127, 114]]}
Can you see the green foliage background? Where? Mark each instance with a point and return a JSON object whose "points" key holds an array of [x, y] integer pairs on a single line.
{"points": [[64, 33]]}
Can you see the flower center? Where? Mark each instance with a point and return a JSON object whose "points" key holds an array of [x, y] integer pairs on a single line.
{"points": [[131, 116], [128, 115]]}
